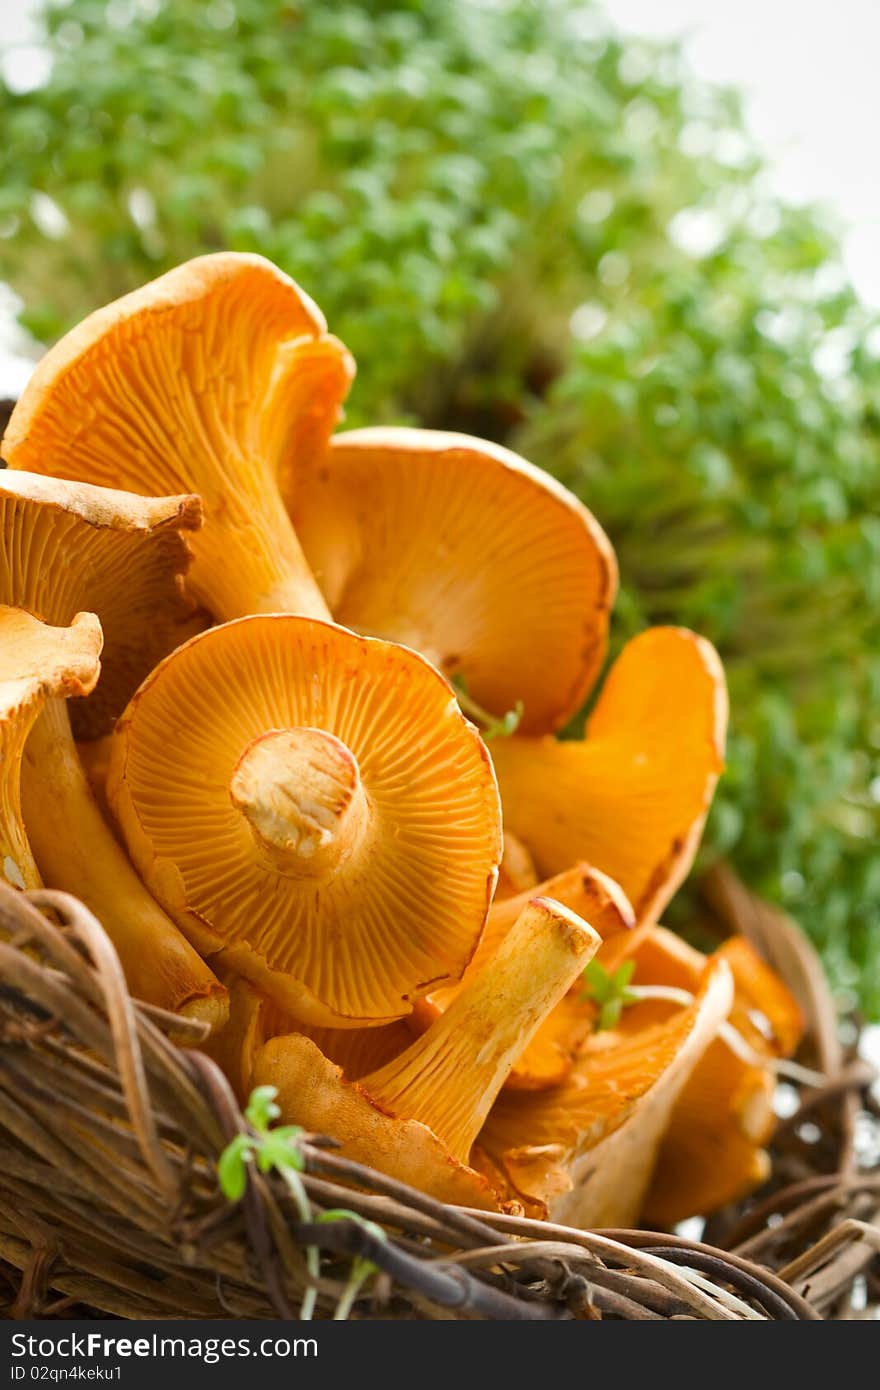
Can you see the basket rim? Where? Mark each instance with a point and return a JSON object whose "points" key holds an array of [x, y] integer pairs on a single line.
{"points": [[105, 1080]]}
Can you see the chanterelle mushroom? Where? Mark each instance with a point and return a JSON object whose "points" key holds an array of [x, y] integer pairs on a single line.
{"points": [[213, 379], [66, 547], [467, 553], [37, 663], [631, 797], [313, 805], [713, 1149], [220, 378], [517, 873], [254, 1019], [549, 1057], [417, 1117], [94, 754], [585, 1151]]}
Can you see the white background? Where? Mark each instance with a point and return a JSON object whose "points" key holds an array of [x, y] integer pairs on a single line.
{"points": [[809, 74]]}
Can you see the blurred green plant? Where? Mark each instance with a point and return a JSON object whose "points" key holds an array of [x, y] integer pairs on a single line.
{"points": [[525, 226]]}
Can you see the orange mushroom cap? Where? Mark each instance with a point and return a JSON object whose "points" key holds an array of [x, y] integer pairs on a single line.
{"points": [[548, 1058], [216, 378], [356, 1051], [517, 873], [312, 1092], [37, 663], [631, 797], [65, 547], [713, 1150], [313, 805], [759, 990], [585, 1150], [254, 1019], [462, 550], [416, 1118], [69, 547]]}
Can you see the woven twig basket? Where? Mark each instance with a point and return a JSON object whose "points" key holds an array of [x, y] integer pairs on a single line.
{"points": [[109, 1201]]}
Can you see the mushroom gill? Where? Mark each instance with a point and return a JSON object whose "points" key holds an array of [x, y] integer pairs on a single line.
{"points": [[584, 1152], [216, 379], [67, 547], [37, 663], [713, 1151], [464, 551], [548, 1058], [632, 796], [416, 1117], [220, 378], [312, 807], [254, 1019]]}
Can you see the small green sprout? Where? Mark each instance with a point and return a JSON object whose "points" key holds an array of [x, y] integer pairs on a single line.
{"points": [[270, 1149], [506, 725], [491, 725], [361, 1268], [278, 1149], [609, 991]]}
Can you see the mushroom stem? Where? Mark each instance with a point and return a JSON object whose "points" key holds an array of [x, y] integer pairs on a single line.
{"points": [[285, 585], [75, 850], [247, 559], [300, 792], [16, 858], [449, 1078], [295, 593]]}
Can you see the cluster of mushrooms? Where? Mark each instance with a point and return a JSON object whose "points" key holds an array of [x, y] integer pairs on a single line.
{"points": [[236, 649]]}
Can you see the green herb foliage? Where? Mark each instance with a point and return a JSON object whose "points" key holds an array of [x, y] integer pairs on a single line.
{"points": [[268, 1148], [525, 226], [490, 725], [278, 1150], [609, 991]]}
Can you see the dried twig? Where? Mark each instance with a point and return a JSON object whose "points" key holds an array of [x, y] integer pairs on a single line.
{"points": [[109, 1202]]}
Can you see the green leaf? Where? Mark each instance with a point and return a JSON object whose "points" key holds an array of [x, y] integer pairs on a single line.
{"points": [[272, 1149], [491, 726], [600, 985], [506, 725], [278, 1149], [609, 991], [261, 1108], [623, 974], [232, 1167], [609, 1014]]}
